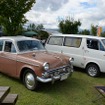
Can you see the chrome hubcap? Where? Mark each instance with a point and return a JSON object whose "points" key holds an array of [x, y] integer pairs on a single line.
{"points": [[92, 71], [29, 80]]}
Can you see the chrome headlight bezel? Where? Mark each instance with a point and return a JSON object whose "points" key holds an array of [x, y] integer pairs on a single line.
{"points": [[46, 66], [71, 60]]}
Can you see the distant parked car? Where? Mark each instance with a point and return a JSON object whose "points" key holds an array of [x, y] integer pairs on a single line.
{"points": [[88, 52], [26, 59]]}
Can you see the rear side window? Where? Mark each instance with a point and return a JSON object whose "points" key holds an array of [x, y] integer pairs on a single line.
{"points": [[1, 45], [9, 47], [55, 40], [72, 42]]}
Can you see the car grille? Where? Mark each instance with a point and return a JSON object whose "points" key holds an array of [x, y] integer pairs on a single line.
{"points": [[59, 71]]}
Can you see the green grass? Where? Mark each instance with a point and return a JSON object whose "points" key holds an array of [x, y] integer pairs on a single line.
{"points": [[76, 90]]}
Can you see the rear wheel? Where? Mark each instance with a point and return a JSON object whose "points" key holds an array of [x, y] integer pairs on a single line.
{"points": [[29, 79], [93, 70]]}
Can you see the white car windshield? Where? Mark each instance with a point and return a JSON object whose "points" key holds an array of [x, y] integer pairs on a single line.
{"points": [[29, 45]]}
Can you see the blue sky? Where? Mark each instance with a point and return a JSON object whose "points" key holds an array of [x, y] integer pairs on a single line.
{"points": [[48, 12], [87, 5]]}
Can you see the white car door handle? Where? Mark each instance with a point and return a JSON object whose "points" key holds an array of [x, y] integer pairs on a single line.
{"points": [[61, 51], [86, 51]]}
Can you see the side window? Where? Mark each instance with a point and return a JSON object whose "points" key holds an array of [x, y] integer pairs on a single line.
{"points": [[101, 47], [55, 40], [1, 45], [92, 44], [9, 47], [72, 42]]}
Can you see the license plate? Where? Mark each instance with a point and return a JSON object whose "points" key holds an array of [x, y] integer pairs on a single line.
{"points": [[63, 77]]}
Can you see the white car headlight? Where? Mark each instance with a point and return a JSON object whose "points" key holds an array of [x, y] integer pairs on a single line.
{"points": [[46, 66]]}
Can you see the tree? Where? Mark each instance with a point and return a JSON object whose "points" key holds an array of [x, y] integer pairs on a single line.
{"points": [[85, 32], [36, 28], [39, 27], [94, 30], [12, 14], [43, 35], [31, 27], [103, 34], [69, 26]]}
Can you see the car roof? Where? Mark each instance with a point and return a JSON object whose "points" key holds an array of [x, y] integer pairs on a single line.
{"points": [[17, 38], [79, 35]]}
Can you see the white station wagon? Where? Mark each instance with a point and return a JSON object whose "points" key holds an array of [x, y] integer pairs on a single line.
{"points": [[87, 51]]}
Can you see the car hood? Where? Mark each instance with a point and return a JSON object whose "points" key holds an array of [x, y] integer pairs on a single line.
{"points": [[40, 57]]}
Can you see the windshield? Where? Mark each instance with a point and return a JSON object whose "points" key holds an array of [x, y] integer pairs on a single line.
{"points": [[103, 40], [29, 45]]}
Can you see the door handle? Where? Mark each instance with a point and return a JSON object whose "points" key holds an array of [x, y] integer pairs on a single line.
{"points": [[73, 59], [61, 51], [86, 51]]}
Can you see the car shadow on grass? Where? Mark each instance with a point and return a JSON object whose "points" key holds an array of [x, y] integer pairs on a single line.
{"points": [[46, 88], [102, 75], [60, 86], [42, 87], [79, 69], [8, 78]]}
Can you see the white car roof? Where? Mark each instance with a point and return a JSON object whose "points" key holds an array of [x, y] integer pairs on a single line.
{"points": [[17, 38], [79, 35]]}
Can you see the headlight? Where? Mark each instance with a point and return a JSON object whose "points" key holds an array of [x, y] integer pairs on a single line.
{"points": [[46, 66], [71, 60]]}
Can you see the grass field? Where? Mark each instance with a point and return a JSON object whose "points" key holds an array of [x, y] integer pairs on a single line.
{"points": [[76, 90]]}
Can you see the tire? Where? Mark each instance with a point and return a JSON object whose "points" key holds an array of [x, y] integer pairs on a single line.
{"points": [[29, 80], [93, 70]]}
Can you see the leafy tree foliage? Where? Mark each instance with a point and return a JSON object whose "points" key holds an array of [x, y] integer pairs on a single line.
{"points": [[69, 26], [43, 35], [103, 34], [12, 14], [85, 32], [39, 29], [36, 28], [31, 27], [94, 30]]}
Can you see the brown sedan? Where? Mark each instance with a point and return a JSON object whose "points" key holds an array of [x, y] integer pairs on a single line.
{"points": [[25, 58]]}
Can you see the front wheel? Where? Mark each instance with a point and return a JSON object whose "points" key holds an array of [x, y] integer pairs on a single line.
{"points": [[93, 70], [29, 79]]}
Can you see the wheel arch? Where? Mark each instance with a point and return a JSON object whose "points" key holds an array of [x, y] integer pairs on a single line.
{"points": [[23, 71], [93, 69], [89, 63]]}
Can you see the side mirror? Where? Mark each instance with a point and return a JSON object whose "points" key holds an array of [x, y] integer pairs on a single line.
{"points": [[43, 42]]}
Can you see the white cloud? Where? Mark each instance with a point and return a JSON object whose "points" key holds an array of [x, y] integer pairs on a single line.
{"points": [[48, 12]]}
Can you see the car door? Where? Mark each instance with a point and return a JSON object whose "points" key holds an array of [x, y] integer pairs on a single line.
{"points": [[95, 52], [8, 59], [73, 47], [54, 44]]}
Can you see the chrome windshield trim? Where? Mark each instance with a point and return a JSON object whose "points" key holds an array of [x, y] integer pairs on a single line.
{"points": [[24, 52]]}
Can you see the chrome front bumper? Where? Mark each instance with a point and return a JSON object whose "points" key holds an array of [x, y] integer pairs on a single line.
{"points": [[54, 78]]}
